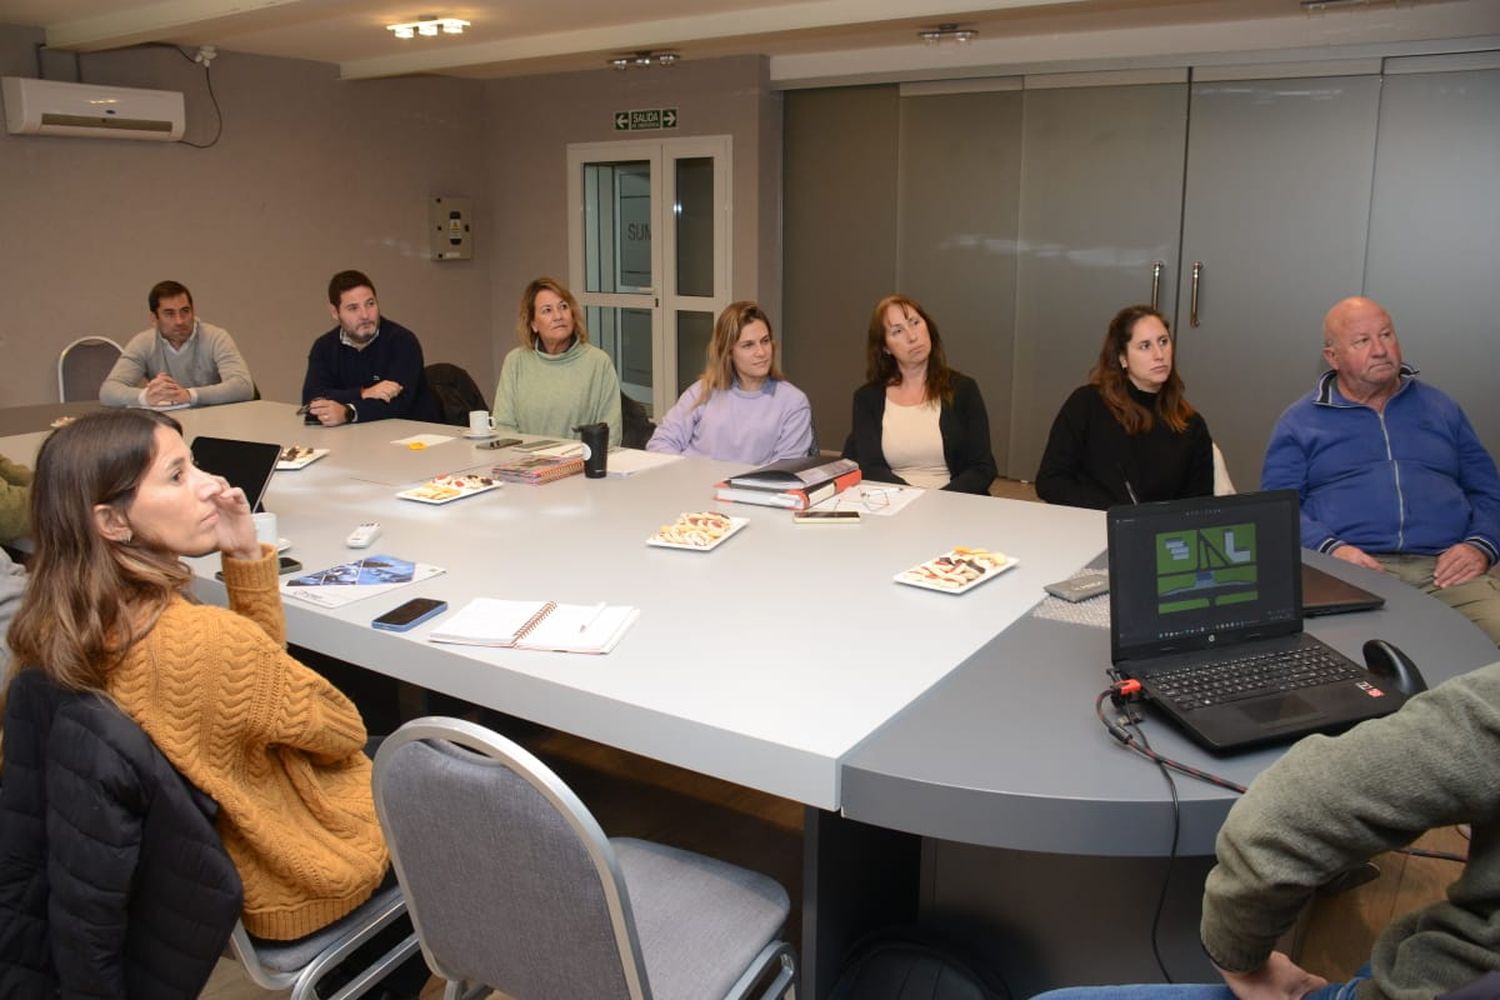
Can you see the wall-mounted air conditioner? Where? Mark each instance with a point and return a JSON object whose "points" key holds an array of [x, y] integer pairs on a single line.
{"points": [[50, 107]]}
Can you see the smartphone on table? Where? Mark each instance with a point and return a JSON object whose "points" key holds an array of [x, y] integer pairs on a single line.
{"points": [[411, 614], [826, 517]]}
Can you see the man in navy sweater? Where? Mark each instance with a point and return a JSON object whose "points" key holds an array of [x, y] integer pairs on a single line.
{"points": [[366, 368], [1391, 474]]}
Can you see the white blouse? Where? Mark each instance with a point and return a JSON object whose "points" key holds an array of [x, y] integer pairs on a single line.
{"points": [[913, 443]]}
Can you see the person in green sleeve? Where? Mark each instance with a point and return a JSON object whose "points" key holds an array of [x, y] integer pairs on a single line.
{"points": [[1332, 803], [556, 380], [15, 496], [15, 502]]}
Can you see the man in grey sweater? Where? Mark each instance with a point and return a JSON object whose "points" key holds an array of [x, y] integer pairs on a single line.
{"points": [[1331, 803], [179, 360]]}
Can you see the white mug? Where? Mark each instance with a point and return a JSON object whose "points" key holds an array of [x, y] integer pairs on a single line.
{"points": [[265, 528], [480, 422]]}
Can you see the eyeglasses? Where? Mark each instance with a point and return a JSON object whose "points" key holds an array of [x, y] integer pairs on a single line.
{"points": [[871, 498]]}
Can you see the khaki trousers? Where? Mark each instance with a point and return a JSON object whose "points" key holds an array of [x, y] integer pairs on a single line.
{"points": [[1478, 600]]}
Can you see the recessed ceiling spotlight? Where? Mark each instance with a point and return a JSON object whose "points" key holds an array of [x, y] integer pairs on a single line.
{"points": [[429, 27], [947, 33], [643, 59]]}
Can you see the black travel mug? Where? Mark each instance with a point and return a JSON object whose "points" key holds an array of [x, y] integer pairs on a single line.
{"points": [[595, 439]]}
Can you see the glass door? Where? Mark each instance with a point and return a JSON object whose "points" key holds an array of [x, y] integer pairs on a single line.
{"points": [[649, 256]]}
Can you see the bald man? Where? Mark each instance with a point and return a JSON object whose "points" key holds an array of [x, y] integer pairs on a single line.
{"points": [[1391, 474]]}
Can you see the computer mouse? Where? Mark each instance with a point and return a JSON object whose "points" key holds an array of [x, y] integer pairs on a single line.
{"points": [[1384, 659]]}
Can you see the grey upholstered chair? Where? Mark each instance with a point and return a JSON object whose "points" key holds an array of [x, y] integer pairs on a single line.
{"points": [[83, 366], [302, 964], [513, 886]]}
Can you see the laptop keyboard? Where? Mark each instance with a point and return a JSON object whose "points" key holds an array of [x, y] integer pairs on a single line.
{"points": [[1223, 681]]}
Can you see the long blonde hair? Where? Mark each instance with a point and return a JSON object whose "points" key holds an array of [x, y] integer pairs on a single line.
{"points": [[718, 373], [88, 598]]}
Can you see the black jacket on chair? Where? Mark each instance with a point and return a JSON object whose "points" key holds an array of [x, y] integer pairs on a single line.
{"points": [[113, 881]]}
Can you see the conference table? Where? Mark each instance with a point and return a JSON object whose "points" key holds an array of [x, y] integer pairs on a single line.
{"points": [[928, 734]]}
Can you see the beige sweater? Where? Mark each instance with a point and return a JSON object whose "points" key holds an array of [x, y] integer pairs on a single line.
{"points": [[278, 747]]}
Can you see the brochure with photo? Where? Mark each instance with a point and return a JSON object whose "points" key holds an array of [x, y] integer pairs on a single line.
{"points": [[354, 581]]}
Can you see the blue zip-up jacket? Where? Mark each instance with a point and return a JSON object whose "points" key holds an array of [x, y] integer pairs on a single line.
{"points": [[1411, 479]]}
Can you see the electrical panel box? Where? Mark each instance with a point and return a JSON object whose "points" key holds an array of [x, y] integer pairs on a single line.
{"points": [[449, 227]]}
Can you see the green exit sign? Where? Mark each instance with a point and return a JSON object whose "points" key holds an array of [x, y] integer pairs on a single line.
{"points": [[645, 119]]}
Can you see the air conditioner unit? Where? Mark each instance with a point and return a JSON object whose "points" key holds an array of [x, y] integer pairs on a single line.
{"points": [[50, 107]]}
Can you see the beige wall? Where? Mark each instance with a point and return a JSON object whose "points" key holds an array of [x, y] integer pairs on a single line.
{"points": [[533, 119], [312, 175]]}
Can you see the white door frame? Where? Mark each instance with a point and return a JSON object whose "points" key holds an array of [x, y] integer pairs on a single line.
{"points": [[662, 299]]}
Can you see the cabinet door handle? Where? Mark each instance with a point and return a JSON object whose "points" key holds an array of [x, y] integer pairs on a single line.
{"points": [[1156, 269], [1193, 303]]}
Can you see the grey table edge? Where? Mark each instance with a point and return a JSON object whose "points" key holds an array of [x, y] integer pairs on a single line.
{"points": [[1007, 751]]}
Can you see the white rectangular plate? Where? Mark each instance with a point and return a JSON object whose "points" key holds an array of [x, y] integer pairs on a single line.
{"points": [[303, 460], [437, 491], [735, 524], [919, 575]]}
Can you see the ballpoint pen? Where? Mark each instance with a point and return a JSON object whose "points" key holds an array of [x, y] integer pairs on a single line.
{"points": [[592, 618]]}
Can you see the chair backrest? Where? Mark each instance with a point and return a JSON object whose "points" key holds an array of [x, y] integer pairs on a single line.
{"points": [[83, 366], [509, 879], [1223, 486], [456, 392], [636, 426]]}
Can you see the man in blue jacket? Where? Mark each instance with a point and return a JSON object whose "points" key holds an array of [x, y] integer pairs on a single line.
{"points": [[1391, 474], [368, 367]]}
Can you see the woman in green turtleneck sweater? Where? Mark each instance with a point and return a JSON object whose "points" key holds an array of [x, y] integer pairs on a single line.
{"points": [[556, 380]]}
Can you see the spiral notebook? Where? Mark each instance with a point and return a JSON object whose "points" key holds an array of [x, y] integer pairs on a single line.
{"points": [[541, 625]]}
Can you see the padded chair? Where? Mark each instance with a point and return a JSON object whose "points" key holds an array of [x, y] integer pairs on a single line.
{"points": [[303, 963], [83, 366], [513, 886], [456, 392], [636, 427]]}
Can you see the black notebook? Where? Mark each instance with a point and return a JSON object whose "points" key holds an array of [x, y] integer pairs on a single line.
{"points": [[1205, 609]]}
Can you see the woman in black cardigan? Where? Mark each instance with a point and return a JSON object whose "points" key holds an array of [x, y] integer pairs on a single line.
{"points": [[916, 421], [1129, 436]]}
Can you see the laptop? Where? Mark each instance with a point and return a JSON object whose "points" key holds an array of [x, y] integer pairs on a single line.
{"points": [[246, 464], [1325, 594], [1205, 599]]}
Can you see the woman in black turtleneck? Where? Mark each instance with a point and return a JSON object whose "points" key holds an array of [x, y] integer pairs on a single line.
{"points": [[1129, 435]]}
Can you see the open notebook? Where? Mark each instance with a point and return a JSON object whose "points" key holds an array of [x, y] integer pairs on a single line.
{"points": [[543, 625]]}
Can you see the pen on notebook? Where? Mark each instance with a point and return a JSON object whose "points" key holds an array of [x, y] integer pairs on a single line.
{"points": [[592, 618]]}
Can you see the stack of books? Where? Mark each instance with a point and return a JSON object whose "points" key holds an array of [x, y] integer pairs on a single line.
{"points": [[793, 483], [538, 469]]}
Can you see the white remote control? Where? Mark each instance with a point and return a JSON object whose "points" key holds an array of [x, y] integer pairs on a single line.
{"points": [[362, 536]]}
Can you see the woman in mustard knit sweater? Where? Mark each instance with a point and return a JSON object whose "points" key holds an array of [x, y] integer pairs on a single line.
{"points": [[117, 502]]}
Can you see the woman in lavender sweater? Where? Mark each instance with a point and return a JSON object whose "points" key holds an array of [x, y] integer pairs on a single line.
{"points": [[742, 409]]}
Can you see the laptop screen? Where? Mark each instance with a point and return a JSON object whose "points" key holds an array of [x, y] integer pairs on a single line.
{"points": [[1193, 574], [246, 464]]}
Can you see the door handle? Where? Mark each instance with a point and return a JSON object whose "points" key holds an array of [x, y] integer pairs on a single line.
{"points": [[1156, 269], [1193, 302]]}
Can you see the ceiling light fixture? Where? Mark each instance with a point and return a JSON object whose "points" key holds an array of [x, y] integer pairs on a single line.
{"points": [[644, 59], [429, 26], [947, 33]]}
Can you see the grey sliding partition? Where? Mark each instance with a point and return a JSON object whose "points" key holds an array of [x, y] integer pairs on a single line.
{"points": [[839, 240], [1435, 224], [960, 168], [1274, 216], [1101, 209]]}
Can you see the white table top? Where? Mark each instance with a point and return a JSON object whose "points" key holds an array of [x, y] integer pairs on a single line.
{"points": [[763, 662]]}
